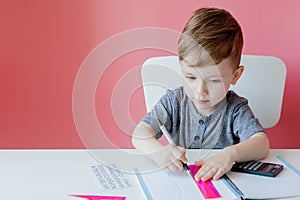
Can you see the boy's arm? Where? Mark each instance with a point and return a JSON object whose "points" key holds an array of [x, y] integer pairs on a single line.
{"points": [[169, 157], [143, 139], [255, 148]]}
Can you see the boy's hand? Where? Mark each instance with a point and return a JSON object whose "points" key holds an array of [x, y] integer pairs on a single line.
{"points": [[214, 167], [170, 157]]}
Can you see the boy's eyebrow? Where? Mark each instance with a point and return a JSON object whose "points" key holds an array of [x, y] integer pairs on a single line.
{"points": [[215, 76], [188, 64], [188, 73]]}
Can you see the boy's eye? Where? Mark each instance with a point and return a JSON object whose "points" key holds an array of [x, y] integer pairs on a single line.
{"points": [[215, 80], [190, 77]]}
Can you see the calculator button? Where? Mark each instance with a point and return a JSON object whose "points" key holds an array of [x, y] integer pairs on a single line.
{"points": [[258, 166], [248, 165], [253, 165], [240, 165]]}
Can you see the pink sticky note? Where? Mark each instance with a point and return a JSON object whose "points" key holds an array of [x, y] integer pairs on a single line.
{"points": [[95, 197]]}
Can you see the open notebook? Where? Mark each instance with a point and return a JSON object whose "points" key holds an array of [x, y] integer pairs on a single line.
{"points": [[161, 185]]}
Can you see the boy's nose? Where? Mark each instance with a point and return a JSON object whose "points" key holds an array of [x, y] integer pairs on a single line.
{"points": [[201, 89]]}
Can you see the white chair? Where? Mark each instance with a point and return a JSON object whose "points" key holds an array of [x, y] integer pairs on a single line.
{"points": [[262, 83]]}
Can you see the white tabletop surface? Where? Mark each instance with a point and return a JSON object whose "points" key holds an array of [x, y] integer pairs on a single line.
{"points": [[56, 174]]}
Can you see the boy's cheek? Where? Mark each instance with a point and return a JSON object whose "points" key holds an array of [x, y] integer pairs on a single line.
{"points": [[217, 96], [187, 87]]}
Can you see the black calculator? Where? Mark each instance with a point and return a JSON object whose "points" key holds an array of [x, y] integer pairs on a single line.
{"points": [[258, 168]]}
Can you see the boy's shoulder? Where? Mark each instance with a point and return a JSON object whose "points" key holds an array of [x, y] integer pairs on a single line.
{"points": [[176, 93], [175, 97], [235, 100]]}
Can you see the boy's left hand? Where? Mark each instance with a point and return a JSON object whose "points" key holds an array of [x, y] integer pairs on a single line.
{"points": [[214, 167]]}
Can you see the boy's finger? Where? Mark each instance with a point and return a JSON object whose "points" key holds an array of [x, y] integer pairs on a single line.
{"points": [[172, 167], [183, 158], [209, 174], [179, 165], [179, 153], [202, 171], [199, 163], [219, 174]]}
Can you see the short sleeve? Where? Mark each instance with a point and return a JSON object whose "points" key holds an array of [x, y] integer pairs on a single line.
{"points": [[245, 124], [161, 112]]}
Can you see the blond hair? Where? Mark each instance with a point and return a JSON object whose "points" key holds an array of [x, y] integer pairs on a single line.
{"points": [[214, 34]]}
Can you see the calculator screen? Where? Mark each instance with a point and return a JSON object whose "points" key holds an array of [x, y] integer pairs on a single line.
{"points": [[266, 168]]}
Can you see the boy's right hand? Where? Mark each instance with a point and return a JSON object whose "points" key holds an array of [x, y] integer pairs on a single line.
{"points": [[170, 157]]}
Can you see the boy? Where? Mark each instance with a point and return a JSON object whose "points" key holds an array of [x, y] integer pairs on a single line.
{"points": [[204, 113]]}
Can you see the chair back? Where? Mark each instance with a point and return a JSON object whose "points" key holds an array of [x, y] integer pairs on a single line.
{"points": [[262, 83]]}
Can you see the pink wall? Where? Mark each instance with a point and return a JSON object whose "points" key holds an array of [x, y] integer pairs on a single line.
{"points": [[43, 45]]}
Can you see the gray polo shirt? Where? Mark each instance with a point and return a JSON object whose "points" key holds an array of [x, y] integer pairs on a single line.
{"points": [[231, 122]]}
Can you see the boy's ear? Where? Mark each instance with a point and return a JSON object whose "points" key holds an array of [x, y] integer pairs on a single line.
{"points": [[237, 74]]}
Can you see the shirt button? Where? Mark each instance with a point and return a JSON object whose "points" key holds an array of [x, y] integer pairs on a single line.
{"points": [[201, 122], [197, 137]]}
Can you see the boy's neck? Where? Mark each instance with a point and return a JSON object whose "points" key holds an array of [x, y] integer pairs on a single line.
{"points": [[218, 106]]}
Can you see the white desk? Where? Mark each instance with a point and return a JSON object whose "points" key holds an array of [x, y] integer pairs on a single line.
{"points": [[55, 174]]}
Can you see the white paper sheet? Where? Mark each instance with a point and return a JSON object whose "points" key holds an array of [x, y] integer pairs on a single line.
{"points": [[163, 185], [285, 184]]}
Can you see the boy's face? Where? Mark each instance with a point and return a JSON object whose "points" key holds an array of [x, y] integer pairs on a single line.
{"points": [[207, 85]]}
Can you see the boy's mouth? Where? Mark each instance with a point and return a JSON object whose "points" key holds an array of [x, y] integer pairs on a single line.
{"points": [[200, 101]]}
